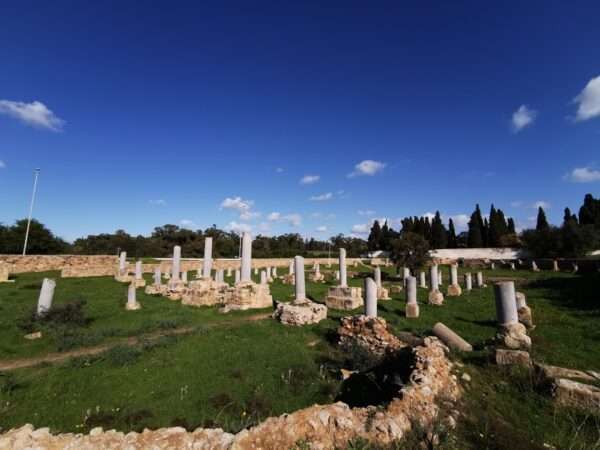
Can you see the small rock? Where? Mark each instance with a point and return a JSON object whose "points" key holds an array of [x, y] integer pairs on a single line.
{"points": [[466, 377], [32, 336]]}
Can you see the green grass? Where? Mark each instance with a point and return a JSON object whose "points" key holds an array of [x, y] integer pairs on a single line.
{"points": [[232, 372]]}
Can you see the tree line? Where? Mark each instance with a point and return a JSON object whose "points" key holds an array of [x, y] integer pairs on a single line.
{"points": [[577, 235]]}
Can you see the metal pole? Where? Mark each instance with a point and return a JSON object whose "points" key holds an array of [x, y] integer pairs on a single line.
{"points": [[36, 173]]}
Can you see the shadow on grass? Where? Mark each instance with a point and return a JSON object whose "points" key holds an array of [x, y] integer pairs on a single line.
{"points": [[579, 293]]}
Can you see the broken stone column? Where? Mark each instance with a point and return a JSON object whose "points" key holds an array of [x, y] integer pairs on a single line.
{"points": [[468, 281], [300, 282], [555, 266], [207, 260], [46, 296], [139, 275], [492, 266], [524, 312], [450, 338], [454, 289], [229, 271], [291, 268], [123, 263], [534, 266], [237, 278], [343, 275], [382, 293], [246, 257], [412, 307], [184, 276], [176, 264], [274, 272], [256, 271], [422, 280], [370, 298], [435, 296], [512, 334], [132, 303], [316, 276], [220, 276], [263, 277], [337, 275], [512, 266], [575, 268], [157, 276], [480, 280]]}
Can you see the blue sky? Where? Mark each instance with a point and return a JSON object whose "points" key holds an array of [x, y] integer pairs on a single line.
{"points": [[305, 117]]}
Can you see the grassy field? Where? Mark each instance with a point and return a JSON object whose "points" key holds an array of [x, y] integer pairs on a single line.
{"points": [[232, 371]]}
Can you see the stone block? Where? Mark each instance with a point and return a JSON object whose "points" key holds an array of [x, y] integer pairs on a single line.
{"points": [[301, 313], [346, 298], [436, 298], [454, 290], [505, 357]]}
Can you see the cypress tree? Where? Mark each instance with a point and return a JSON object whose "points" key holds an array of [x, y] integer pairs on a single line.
{"points": [[439, 237], [511, 226], [374, 239], [452, 240], [474, 238], [542, 222]]}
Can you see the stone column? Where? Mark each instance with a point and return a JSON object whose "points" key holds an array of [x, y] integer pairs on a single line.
{"points": [[207, 260], [291, 269], [377, 276], [138, 270], [246, 257], [132, 303], [412, 308], [299, 279], [555, 266], [422, 280], [229, 271], [46, 296], [492, 266], [317, 268], [479, 279], [512, 266], [274, 272], [263, 277], [343, 276], [433, 278], [450, 338], [157, 276], [337, 275], [220, 276], [256, 271], [575, 267], [184, 276], [534, 266], [468, 281], [370, 298], [237, 277], [122, 263], [440, 278], [454, 274], [176, 264], [506, 303]]}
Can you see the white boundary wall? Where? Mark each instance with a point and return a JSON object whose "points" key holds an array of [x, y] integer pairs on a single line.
{"points": [[478, 253]]}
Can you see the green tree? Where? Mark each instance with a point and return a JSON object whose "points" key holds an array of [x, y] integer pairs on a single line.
{"points": [[452, 239], [374, 239], [542, 222], [410, 250], [439, 235]]}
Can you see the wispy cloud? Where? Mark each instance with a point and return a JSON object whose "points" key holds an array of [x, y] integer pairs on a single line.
{"points": [[158, 202], [360, 228], [293, 219], [187, 223], [588, 101], [365, 212], [244, 207], [238, 227], [322, 197], [583, 175], [279, 170], [541, 204], [310, 179], [516, 204], [367, 167], [2, 164], [523, 117], [321, 228], [35, 114]]}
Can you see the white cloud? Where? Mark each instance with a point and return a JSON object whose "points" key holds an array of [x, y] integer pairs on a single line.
{"points": [[589, 101], [238, 227], [249, 215], [367, 167], [361, 228], [322, 197], [322, 228], [293, 219], [310, 179], [523, 117], [158, 202], [187, 223], [237, 203], [2, 164], [541, 204], [516, 204], [460, 221], [35, 114], [583, 175], [365, 212], [428, 215], [279, 170]]}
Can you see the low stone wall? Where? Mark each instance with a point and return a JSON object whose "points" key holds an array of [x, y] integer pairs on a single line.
{"points": [[320, 426], [449, 255], [106, 265], [45, 263]]}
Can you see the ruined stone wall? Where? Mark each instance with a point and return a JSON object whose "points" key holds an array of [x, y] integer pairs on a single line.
{"points": [[321, 426], [106, 265]]}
